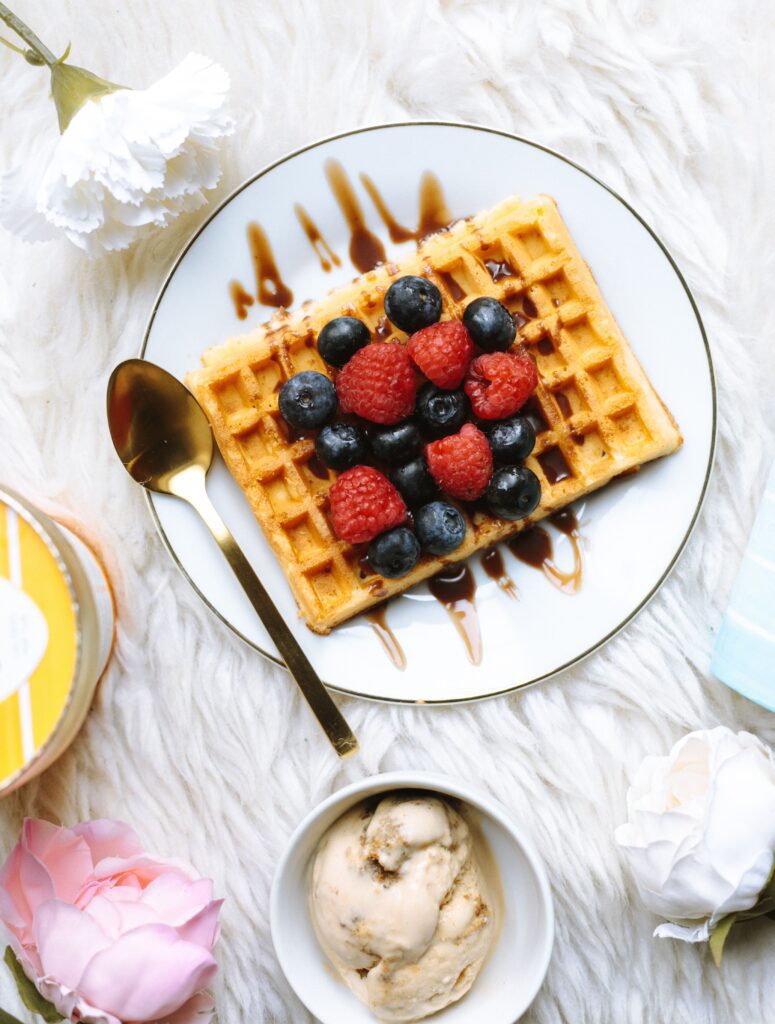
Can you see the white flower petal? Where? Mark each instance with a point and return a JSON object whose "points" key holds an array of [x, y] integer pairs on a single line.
{"points": [[700, 833], [693, 933], [133, 159]]}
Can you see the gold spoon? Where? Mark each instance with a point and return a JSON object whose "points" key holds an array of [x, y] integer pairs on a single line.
{"points": [[164, 440]]}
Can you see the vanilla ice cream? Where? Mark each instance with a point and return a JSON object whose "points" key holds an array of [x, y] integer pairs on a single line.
{"points": [[400, 905]]}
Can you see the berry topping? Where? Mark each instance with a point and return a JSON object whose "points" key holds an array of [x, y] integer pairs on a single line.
{"points": [[364, 504], [443, 352], [341, 338], [415, 482], [513, 492], [308, 400], [378, 383], [413, 303], [395, 553], [461, 464], [512, 440], [490, 324], [441, 412], [499, 383], [341, 445], [397, 444], [440, 527]]}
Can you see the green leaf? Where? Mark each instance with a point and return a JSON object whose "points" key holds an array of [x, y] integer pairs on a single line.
{"points": [[719, 937], [30, 996], [765, 906], [6, 1018]]}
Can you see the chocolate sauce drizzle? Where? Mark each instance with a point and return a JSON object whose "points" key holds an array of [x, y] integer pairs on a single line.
{"points": [[322, 249], [270, 287], [378, 620], [455, 588], [241, 299], [493, 564], [499, 268], [366, 250], [534, 547], [271, 290], [434, 213]]}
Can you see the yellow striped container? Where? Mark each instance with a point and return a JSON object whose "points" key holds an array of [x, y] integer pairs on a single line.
{"points": [[57, 623]]}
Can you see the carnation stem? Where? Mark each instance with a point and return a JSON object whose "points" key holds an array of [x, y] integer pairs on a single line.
{"points": [[37, 47], [6, 1018]]}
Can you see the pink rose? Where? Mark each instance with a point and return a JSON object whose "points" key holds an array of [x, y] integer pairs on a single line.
{"points": [[107, 932]]}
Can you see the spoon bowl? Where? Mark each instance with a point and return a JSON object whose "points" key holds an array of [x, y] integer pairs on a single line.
{"points": [[164, 440], [158, 428]]}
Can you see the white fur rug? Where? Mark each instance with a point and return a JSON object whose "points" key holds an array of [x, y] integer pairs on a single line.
{"points": [[196, 741]]}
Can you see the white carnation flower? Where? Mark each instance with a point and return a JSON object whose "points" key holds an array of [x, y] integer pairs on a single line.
{"points": [[127, 159], [135, 158]]}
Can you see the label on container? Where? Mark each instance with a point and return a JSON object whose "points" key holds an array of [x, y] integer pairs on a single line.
{"points": [[23, 637], [38, 642]]}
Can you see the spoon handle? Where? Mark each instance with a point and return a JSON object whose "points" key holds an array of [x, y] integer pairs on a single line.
{"points": [[307, 679]]}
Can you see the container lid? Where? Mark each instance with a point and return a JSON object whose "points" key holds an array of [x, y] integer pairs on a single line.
{"points": [[39, 637]]}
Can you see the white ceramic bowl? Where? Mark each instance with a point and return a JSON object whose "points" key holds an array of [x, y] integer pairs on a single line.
{"points": [[513, 973]]}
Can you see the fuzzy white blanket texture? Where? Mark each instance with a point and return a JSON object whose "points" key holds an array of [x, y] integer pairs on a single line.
{"points": [[194, 739]]}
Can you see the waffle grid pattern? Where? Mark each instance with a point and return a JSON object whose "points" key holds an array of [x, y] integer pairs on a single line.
{"points": [[595, 412]]}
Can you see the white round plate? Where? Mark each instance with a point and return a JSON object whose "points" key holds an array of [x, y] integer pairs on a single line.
{"points": [[633, 530]]}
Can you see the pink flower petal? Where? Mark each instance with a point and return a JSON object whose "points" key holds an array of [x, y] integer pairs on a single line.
{"points": [[107, 838], [128, 892], [67, 940], [134, 914], [176, 899], [143, 867], [147, 974], [125, 887], [203, 929], [64, 854], [14, 912], [106, 915], [35, 885], [70, 1005]]}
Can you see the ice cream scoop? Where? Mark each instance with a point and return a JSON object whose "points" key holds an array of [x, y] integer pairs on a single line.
{"points": [[400, 905]]}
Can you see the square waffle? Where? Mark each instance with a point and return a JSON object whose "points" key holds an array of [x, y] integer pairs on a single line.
{"points": [[595, 412]]}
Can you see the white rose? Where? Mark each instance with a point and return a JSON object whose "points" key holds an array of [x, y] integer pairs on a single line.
{"points": [[700, 833]]}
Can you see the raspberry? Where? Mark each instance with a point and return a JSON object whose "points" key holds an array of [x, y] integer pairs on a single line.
{"points": [[443, 352], [378, 383], [364, 504], [499, 383], [461, 464]]}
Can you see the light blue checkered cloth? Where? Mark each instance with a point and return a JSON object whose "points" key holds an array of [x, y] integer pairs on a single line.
{"points": [[744, 657]]}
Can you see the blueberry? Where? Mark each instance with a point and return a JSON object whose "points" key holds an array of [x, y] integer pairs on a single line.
{"points": [[394, 553], [440, 527], [341, 445], [513, 492], [441, 412], [308, 400], [415, 482], [490, 324], [413, 303], [512, 440], [341, 338], [396, 444]]}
